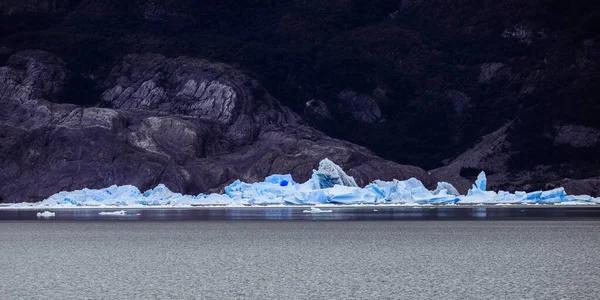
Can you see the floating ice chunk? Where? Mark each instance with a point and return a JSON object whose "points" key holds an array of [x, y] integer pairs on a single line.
{"points": [[414, 184], [553, 196], [280, 179], [450, 189], [580, 198], [316, 210], [532, 197], [87, 197], [478, 193], [407, 191], [481, 181], [236, 188], [390, 191], [113, 213], [349, 195], [441, 197], [421, 195], [214, 199], [182, 200], [160, 195], [273, 192], [410, 191], [46, 214], [121, 195], [330, 174], [312, 197], [504, 197]]}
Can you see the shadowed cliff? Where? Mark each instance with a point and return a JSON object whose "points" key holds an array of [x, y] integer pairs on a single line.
{"points": [[189, 123]]}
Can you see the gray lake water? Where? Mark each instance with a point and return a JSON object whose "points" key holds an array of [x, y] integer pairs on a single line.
{"points": [[300, 260], [336, 213]]}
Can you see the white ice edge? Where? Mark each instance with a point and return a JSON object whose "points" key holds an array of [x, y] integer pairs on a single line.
{"points": [[46, 214], [329, 186], [113, 213], [316, 210]]}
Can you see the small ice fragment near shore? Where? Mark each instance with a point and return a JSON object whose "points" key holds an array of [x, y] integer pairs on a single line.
{"points": [[375, 210], [316, 210], [113, 213], [46, 214]]}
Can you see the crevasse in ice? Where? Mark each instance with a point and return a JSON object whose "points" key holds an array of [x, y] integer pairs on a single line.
{"points": [[327, 185]]}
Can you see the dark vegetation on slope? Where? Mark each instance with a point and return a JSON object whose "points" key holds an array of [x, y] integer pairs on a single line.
{"points": [[443, 73]]}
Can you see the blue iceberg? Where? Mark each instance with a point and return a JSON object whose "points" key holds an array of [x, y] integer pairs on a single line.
{"points": [[329, 184], [329, 174]]}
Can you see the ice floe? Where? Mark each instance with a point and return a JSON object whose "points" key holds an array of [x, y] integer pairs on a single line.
{"points": [[316, 210], [46, 214], [113, 213]]}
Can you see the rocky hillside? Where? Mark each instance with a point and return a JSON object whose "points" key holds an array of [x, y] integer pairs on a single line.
{"points": [[191, 124], [425, 83]]}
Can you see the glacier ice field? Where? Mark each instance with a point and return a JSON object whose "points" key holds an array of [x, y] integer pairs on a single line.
{"points": [[327, 185]]}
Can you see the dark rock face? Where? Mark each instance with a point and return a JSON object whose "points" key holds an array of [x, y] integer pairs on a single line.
{"points": [[361, 108], [317, 111], [16, 7], [489, 155], [590, 186], [496, 153], [191, 124], [33, 74]]}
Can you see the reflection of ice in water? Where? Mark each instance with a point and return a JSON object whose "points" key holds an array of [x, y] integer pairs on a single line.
{"points": [[479, 212], [46, 214], [316, 210], [113, 213]]}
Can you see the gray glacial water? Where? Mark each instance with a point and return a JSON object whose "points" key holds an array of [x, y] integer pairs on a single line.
{"points": [[300, 260]]}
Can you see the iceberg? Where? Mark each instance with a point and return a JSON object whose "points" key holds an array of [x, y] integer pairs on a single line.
{"points": [[113, 213], [113, 195], [46, 214], [329, 184], [478, 193], [316, 210], [481, 181], [330, 174], [449, 188]]}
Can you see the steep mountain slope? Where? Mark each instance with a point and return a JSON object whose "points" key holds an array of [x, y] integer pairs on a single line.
{"points": [[191, 124]]}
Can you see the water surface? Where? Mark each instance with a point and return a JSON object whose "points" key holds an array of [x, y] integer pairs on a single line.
{"points": [[300, 260], [357, 212]]}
